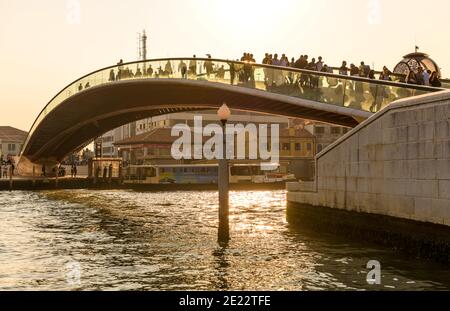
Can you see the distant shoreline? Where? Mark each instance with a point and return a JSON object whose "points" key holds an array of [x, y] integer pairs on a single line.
{"points": [[85, 183]]}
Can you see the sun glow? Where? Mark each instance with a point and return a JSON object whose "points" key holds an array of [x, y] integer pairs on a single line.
{"points": [[249, 16]]}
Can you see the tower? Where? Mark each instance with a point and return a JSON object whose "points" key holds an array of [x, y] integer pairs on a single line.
{"points": [[144, 45]]}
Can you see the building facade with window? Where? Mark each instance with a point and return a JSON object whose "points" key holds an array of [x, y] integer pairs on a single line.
{"points": [[297, 152], [11, 142], [152, 145], [108, 139], [325, 134]]}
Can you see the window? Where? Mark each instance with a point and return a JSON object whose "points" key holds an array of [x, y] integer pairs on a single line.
{"points": [[240, 171], [335, 130], [309, 146], [108, 150], [286, 147], [298, 147], [11, 147], [319, 130], [164, 152], [345, 130], [319, 148]]}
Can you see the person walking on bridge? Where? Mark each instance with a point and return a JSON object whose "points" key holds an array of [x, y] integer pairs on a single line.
{"points": [[421, 77], [193, 66], [385, 74], [149, 71], [343, 70], [182, 67], [434, 80], [208, 66], [364, 70], [112, 76], [168, 69], [232, 71]]}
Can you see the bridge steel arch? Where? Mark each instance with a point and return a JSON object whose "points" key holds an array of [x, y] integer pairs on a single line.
{"points": [[106, 99]]}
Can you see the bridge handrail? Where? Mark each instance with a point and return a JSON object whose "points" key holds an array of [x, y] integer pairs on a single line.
{"points": [[254, 66]]}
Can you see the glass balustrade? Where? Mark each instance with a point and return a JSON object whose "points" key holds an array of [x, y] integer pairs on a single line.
{"points": [[344, 91]]}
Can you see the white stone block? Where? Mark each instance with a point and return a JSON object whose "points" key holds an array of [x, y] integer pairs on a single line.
{"points": [[401, 135], [440, 211], [443, 169], [429, 114], [362, 185], [442, 129], [413, 133], [427, 169], [444, 189], [426, 131], [422, 209]]}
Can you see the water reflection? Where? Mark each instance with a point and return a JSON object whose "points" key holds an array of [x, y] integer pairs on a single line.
{"points": [[167, 241]]}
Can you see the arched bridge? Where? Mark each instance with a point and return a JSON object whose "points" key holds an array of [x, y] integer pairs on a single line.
{"points": [[113, 96]]}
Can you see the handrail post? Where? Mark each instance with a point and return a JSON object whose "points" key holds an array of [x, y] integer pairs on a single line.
{"points": [[344, 92], [57, 174], [376, 99], [34, 176], [10, 178]]}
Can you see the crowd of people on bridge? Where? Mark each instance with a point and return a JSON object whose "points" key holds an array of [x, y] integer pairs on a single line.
{"points": [[243, 71], [421, 77]]}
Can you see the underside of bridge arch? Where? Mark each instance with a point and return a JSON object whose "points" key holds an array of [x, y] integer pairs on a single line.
{"points": [[92, 112]]}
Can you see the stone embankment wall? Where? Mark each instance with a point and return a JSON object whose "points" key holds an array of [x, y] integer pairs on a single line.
{"points": [[397, 163]]}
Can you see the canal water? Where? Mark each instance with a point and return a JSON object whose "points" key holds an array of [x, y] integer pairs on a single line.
{"points": [[123, 240]]}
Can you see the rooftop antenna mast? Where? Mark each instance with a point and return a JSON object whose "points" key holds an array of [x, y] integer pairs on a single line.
{"points": [[142, 48], [416, 46], [144, 45], [138, 51]]}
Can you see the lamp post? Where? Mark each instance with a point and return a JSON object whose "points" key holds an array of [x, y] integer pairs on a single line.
{"points": [[224, 114]]}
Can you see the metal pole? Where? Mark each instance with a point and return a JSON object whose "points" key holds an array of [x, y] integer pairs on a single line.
{"points": [[34, 176], [10, 178], [224, 230], [57, 174]]}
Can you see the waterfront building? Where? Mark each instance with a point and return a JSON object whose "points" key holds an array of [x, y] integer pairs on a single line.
{"points": [[11, 141], [325, 134], [153, 140], [108, 139], [297, 152], [152, 145], [209, 117]]}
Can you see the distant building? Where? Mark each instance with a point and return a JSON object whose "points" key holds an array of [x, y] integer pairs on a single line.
{"points": [[152, 145], [325, 134], [140, 150], [297, 152], [80, 157], [11, 141], [152, 148], [209, 117], [108, 139]]}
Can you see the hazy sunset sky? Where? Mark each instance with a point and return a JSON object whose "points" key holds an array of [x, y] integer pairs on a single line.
{"points": [[43, 46]]}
